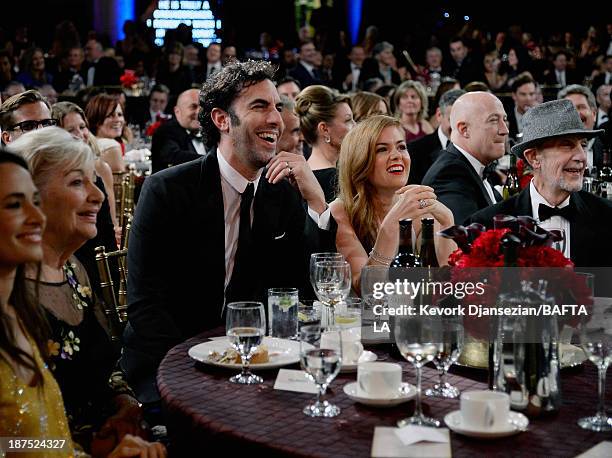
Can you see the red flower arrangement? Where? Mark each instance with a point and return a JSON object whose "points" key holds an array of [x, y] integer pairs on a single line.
{"points": [[153, 127], [524, 172], [128, 79], [480, 253]]}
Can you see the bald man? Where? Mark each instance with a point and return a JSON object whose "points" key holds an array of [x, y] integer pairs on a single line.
{"points": [[478, 136], [179, 140]]}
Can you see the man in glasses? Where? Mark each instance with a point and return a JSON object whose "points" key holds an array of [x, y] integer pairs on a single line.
{"points": [[23, 113]]}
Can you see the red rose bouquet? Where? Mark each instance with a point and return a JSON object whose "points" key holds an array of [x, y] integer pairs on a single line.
{"points": [[128, 79]]}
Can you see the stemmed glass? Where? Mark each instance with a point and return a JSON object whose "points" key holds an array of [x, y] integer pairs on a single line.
{"points": [[318, 257], [332, 284], [447, 355], [321, 358], [245, 327], [596, 341], [418, 339]]}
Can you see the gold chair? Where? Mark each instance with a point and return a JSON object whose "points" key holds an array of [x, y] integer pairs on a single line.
{"points": [[123, 185], [115, 300]]}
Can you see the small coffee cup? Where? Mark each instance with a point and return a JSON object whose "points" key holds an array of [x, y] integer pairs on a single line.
{"points": [[484, 409], [379, 380], [352, 348]]}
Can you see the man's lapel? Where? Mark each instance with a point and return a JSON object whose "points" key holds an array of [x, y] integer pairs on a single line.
{"points": [[581, 232], [474, 176]]}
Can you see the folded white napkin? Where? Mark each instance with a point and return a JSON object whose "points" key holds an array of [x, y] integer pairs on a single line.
{"points": [[387, 443], [294, 380], [601, 450], [137, 155]]}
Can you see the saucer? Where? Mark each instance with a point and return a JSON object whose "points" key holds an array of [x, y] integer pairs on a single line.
{"points": [[517, 423], [366, 357], [406, 393]]}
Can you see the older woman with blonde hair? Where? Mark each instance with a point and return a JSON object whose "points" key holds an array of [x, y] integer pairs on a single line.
{"points": [[411, 105], [71, 117], [366, 104], [83, 358], [373, 170], [325, 118]]}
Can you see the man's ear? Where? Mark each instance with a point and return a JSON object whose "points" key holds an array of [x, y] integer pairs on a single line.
{"points": [[221, 119], [462, 129], [6, 137], [532, 157], [438, 115]]}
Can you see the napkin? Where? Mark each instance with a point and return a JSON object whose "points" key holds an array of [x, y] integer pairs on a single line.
{"points": [[601, 450], [412, 434], [387, 444], [294, 380]]}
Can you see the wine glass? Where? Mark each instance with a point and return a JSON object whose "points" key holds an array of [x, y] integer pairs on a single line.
{"points": [[596, 341], [373, 279], [448, 353], [317, 257], [418, 339], [245, 327], [321, 359], [333, 284]]}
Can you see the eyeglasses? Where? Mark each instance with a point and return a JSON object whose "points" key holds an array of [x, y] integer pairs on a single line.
{"points": [[27, 126]]}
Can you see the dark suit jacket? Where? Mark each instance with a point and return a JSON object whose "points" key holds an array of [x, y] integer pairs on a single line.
{"points": [[570, 77], [340, 71], [598, 81], [107, 72], [171, 145], [304, 76], [589, 234], [469, 70], [371, 69], [512, 122], [457, 185], [423, 153], [176, 259]]}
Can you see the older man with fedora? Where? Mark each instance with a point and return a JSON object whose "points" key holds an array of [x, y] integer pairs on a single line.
{"points": [[553, 137]]}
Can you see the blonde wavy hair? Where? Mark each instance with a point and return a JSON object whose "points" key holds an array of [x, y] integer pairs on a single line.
{"points": [[355, 166], [421, 92]]}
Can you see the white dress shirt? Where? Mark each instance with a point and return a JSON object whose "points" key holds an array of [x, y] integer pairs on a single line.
{"points": [[556, 222], [356, 71], [519, 120], [233, 185], [211, 69], [479, 168], [443, 138], [588, 149], [561, 77], [91, 72], [198, 145], [602, 117]]}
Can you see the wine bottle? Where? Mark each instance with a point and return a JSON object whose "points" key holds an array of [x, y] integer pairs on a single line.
{"points": [[405, 255], [511, 186], [605, 173], [427, 253]]}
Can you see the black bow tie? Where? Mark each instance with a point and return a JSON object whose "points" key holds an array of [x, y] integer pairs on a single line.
{"points": [[196, 136], [489, 170], [545, 212]]}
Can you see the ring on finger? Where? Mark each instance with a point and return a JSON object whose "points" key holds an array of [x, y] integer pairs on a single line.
{"points": [[422, 203]]}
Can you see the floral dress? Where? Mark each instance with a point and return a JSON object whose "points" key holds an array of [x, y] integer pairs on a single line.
{"points": [[83, 358]]}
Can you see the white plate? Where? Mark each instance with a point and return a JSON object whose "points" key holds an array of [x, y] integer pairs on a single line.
{"points": [[406, 393], [366, 357], [282, 353], [517, 422]]}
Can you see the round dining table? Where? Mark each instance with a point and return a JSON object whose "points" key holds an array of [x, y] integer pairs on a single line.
{"points": [[209, 416]]}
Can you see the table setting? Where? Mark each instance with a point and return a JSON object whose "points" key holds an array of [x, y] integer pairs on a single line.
{"points": [[313, 387]]}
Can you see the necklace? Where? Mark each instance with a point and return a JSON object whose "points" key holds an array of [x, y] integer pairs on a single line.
{"points": [[81, 295]]}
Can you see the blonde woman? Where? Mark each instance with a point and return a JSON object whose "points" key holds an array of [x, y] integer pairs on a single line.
{"points": [[366, 104], [325, 118], [411, 104], [373, 170]]}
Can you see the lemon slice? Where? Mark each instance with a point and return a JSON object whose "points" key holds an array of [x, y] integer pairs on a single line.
{"points": [[345, 319]]}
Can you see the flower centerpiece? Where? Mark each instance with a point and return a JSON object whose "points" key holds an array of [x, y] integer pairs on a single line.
{"points": [[131, 83]]}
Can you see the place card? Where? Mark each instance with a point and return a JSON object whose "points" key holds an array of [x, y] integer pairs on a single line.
{"points": [[412, 434], [601, 450], [387, 444], [294, 380]]}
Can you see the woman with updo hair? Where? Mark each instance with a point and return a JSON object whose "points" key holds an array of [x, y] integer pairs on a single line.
{"points": [[325, 118]]}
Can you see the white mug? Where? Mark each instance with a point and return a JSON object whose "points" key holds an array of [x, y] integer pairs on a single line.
{"points": [[352, 347], [484, 409], [379, 380]]}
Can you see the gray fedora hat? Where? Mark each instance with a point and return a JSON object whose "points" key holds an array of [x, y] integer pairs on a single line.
{"points": [[551, 120]]}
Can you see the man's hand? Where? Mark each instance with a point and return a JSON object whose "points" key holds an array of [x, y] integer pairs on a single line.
{"points": [[294, 168]]}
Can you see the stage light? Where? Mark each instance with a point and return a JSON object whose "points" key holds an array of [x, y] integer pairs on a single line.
{"points": [[446, 15]]}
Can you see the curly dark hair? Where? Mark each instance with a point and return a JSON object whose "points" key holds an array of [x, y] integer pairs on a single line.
{"points": [[223, 88]]}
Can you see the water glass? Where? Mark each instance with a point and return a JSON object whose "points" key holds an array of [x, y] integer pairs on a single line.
{"points": [[448, 354], [321, 365], [245, 327], [283, 312], [333, 284], [317, 257]]}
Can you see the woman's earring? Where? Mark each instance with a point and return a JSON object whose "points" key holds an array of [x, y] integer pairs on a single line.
{"points": [[327, 139]]}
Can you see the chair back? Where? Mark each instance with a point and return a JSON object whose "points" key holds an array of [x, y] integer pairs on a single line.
{"points": [[115, 300]]}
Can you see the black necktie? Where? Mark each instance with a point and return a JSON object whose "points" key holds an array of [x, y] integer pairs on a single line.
{"points": [[241, 283], [545, 212]]}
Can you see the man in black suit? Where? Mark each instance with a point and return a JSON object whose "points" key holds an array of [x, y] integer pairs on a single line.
{"points": [[155, 109], [584, 102], [223, 228], [306, 71], [552, 144], [478, 136], [179, 139], [605, 77], [426, 150], [560, 75], [380, 65], [100, 69], [524, 97], [464, 68], [347, 71]]}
